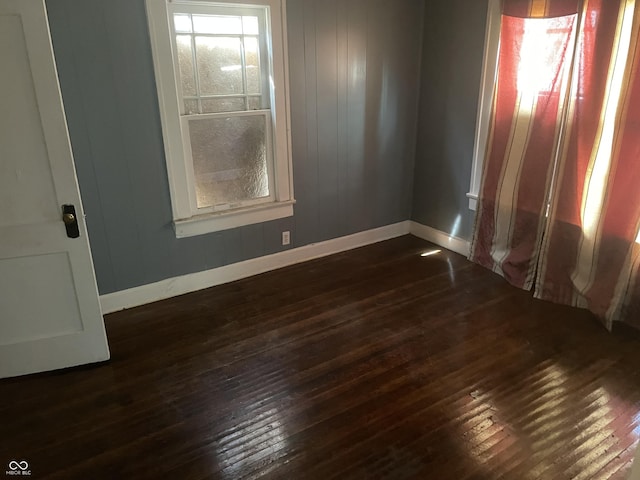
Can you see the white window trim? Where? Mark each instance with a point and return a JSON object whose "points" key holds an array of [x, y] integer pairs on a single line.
{"points": [[487, 85], [217, 221], [186, 221]]}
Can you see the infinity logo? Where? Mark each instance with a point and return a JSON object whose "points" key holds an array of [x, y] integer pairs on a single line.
{"points": [[23, 465]]}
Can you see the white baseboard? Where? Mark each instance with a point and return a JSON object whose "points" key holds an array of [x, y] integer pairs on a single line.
{"points": [[172, 287], [441, 239]]}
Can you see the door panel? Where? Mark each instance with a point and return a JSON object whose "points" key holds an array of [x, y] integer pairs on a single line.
{"points": [[32, 173], [49, 309], [20, 277]]}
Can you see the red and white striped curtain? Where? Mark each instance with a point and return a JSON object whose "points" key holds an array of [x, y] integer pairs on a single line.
{"points": [[559, 206]]}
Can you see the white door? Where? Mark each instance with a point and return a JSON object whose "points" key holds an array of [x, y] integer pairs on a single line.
{"points": [[50, 314]]}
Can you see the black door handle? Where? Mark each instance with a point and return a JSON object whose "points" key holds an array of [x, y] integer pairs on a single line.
{"points": [[70, 221]]}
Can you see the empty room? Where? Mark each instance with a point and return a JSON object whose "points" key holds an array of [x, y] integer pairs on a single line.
{"points": [[314, 239]]}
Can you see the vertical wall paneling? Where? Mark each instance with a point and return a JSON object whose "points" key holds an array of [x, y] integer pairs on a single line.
{"points": [[342, 79], [252, 241], [232, 239], [353, 76], [361, 82], [327, 115], [398, 68], [89, 186], [127, 48], [451, 69], [307, 223], [356, 110], [297, 88], [104, 129], [376, 34], [273, 235]]}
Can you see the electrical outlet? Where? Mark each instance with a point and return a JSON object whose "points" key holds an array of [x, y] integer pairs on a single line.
{"points": [[286, 238]]}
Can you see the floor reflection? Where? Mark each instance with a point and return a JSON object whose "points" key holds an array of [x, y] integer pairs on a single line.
{"points": [[250, 442], [582, 421]]}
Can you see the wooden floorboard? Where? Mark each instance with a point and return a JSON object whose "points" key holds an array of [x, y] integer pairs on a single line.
{"points": [[371, 364]]}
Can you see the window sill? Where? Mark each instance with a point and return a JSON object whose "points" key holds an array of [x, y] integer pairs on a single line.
{"points": [[473, 201], [215, 222]]}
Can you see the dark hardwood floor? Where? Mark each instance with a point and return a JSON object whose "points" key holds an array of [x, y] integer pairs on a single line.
{"points": [[371, 364]]}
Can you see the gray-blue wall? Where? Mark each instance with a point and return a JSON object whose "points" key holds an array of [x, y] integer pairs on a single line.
{"points": [[452, 65], [354, 91]]}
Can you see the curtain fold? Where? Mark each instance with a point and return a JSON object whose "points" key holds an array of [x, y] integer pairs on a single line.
{"points": [[559, 205], [523, 142], [590, 254]]}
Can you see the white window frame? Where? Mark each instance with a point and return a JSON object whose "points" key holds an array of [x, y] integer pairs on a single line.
{"points": [[487, 87], [187, 218]]}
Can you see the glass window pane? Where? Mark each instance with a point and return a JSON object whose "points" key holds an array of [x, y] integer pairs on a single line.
{"points": [[185, 60], [219, 65], [215, 105], [182, 23], [250, 25], [252, 57], [217, 24], [191, 107], [229, 159], [254, 103]]}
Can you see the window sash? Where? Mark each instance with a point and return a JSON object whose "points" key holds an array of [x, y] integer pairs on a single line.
{"points": [[266, 68], [185, 120]]}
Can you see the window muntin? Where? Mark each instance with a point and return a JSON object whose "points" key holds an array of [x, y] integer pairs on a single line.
{"points": [[221, 61]]}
